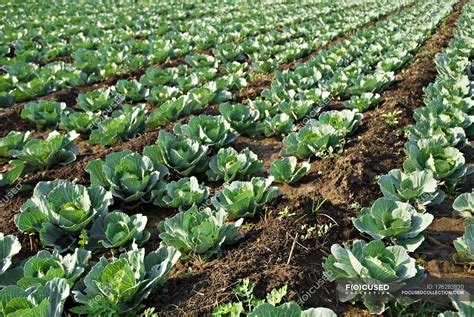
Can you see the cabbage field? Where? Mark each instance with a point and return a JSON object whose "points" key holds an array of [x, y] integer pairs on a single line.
{"points": [[229, 158]]}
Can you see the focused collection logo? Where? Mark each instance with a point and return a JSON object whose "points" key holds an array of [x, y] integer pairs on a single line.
{"points": [[368, 288]]}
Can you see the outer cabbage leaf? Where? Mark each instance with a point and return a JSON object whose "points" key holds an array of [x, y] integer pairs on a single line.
{"points": [[463, 205], [465, 245]]}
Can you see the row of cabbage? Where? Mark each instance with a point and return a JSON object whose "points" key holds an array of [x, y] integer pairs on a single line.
{"points": [[448, 119], [74, 218], [256, 40], [354, 71], [175, 91], [434, 164]]}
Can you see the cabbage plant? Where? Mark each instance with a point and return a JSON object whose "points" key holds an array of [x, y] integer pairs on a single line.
{"points": [[395, 221], [123, 125], [465, 245], [228, 52], [454, 136], [201, 60], [417, 187], [81, 122], [296, 109], [373, 82], [458, 87], [39, 154], [451, 65], [240, 117], [203, 96], [156, 76], [344, 121], [278, 93], [372, 263], [40, 300], [181, 194], [181, 155], [444, 114], [212, 131], [36, 87], [201, 232], [44, 266], [463, 205], [43, 154], [363, 102], [119, 286], [287, 170], [280, 124], [318, 139], [117, 230], [45, 114], [228, 165], [446, 163], [128, 176], [59, 210], [13, 141], [186, 83], [95, 101], [265, 108], [245, 199], [438, 118], [168, 112], [131, 89], [161, 94]]}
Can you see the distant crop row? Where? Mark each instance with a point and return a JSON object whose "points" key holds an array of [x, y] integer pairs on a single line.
{"points": [[238, 36], [433, 164]]}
